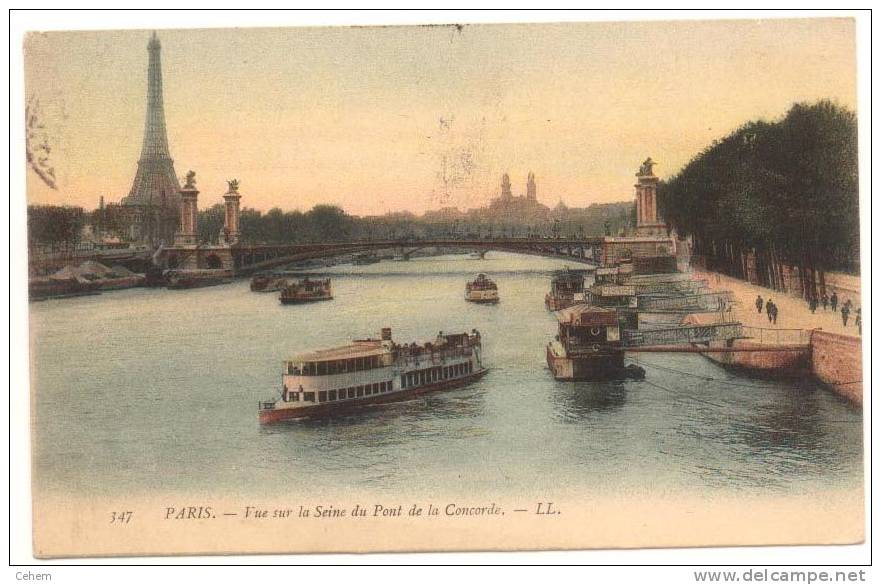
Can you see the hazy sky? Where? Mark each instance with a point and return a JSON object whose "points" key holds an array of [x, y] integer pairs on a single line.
{"points": [[390, 118]]}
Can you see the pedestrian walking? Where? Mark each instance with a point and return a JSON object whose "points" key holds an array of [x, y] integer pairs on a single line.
{"points": [[825, 300], [858, 320], [759, 303], [769, 308], [812, 304], [774, 313], [834, 301], [845, 313]]}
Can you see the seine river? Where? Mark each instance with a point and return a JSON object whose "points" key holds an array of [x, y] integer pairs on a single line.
{"points": [[147, 390]]}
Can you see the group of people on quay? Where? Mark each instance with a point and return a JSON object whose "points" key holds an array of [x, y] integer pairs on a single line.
{"points": [[770, 308], [847, 307]]}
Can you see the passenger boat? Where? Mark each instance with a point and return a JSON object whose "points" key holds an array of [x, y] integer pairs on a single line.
{"points": [[567, 289], [482, 290], [588, 346], [372, 371], [267, 283], [306, 291]]}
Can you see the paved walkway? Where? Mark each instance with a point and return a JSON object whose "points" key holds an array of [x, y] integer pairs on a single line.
{"points": [[793, 313]]}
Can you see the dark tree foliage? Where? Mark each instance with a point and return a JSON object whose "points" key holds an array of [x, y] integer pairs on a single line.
{"points": [[784, 192], [322, 223], [211, 223], [54, 225], [329, 223]]}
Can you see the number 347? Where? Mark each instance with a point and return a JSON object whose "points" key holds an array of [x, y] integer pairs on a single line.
{"points": [[120, 517]]}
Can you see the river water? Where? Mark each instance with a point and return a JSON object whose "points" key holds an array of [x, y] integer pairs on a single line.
{"points": [[147, 391]]}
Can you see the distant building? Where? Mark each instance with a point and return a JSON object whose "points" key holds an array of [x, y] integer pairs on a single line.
{"points": [[508, 209], [506, 187]]}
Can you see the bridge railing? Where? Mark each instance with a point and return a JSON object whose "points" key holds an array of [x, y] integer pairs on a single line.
{"points": [[777, 336], [702, 302], [682, 334], [688, 287]]}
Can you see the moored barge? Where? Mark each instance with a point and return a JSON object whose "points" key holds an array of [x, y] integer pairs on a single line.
{"points": [[365, 259], [268, 283], [588, 346], [567, 289], [373, 371]]}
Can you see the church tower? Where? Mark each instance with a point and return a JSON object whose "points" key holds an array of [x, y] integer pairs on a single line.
{"points": [[530, 186], [155, 191], [506, 187]]}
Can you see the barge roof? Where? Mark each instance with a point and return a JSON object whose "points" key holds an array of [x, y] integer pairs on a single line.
{"points": [[584, 312], [353, 350]]}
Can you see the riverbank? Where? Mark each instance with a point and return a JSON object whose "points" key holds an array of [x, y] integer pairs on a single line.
{"points": [[835, 349], [793, 313]]}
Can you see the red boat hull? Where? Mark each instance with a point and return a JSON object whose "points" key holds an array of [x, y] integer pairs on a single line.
{"points": [[335, 408]]}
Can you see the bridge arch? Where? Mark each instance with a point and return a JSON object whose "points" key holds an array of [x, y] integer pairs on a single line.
{"points": [[213, 262]]}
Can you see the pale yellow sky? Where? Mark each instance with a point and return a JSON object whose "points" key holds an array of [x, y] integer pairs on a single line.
{"points": [[374, 119]]}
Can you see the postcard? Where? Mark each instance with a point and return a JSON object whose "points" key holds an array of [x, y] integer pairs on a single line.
{"points": [[465, 287]]}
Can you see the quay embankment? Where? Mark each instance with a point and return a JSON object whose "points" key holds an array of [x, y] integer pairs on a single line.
{"points": [[819, 342]]}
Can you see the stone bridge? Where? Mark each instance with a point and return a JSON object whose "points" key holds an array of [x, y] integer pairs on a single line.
{"points": [[248, 259]]}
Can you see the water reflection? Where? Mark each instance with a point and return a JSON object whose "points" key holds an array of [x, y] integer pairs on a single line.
{"points": [[574, 401]]}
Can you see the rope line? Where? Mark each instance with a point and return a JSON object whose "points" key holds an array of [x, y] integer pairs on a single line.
{"points": [[711, 379], [650, 383], [706, 378]]}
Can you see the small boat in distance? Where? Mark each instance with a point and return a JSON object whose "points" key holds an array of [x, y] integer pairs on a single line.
{"points": [[363, 259], [182, 279], [482, 290], [306, 291], [372, 371], [267, 283]]}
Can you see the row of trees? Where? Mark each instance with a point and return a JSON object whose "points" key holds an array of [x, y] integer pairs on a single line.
{"points": [[54, 225], [771, 195], [331, 223], [322, 222]]}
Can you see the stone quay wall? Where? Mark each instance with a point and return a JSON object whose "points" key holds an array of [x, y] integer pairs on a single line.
{"points": [[837, 361]]}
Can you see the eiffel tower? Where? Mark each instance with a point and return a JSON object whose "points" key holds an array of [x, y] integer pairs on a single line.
{"points": [[154, 196]]}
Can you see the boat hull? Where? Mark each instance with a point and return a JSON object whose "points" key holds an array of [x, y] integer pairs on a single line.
{"points": [[599, 366], [335, 408], [481, 301], [289, 301]]}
